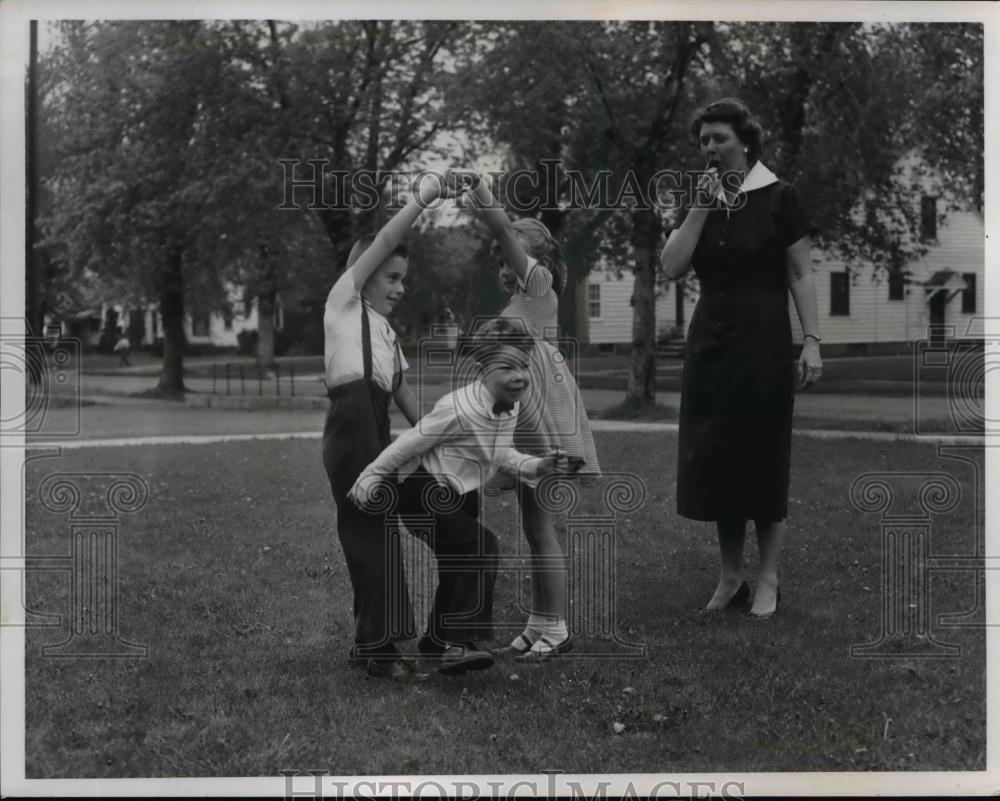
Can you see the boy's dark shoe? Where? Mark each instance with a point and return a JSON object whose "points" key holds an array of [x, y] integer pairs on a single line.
{"points": [[430, 649], [396, 669], [458, 658]]}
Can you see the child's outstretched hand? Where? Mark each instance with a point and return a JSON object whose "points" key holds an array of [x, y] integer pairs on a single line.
{"points": [[429, 187], [363, 492], [556, 461], [461, 180]]}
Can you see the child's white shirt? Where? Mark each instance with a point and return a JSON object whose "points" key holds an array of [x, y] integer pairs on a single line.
{"points": [[461, 440], [342, 343]]}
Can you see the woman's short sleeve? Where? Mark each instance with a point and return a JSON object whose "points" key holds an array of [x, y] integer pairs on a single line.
{"points": [[793, 220]]}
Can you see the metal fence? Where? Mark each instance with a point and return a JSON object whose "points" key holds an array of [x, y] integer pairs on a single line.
{"points": [[243, 379]]}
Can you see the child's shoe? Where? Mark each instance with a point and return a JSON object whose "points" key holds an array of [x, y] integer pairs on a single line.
{"points": [[460, 657], [545, 649]]}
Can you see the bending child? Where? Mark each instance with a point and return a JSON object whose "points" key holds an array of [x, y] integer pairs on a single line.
{"points": [[460, 445]]}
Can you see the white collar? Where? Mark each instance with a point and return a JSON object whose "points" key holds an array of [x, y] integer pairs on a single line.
{"points": [[758, 177]]}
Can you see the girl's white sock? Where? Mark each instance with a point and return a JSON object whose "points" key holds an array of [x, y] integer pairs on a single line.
{"points": [[536, 625], [555, 631]]}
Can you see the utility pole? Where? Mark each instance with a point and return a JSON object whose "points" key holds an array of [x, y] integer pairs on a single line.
{"points": [[34, 311]]}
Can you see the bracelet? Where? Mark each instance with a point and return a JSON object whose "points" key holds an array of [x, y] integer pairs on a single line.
{"points": [[813, 336]]}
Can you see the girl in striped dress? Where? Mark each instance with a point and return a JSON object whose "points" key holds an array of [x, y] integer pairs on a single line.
{"points": [[552, 414]]}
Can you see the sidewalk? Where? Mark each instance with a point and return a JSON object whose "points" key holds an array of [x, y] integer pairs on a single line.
{"points": [[854, 411]]}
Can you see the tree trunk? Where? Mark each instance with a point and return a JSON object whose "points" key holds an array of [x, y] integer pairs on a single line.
{"points": [[265, 328], [172, 311], [642, 374], [569, 322], [267, 294], [582, 305]]}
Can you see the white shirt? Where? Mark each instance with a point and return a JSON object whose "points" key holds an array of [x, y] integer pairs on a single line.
{"points": [[460, 441], [342, 343]]}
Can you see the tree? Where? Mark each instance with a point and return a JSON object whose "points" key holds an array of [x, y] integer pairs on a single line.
{"points": [[611, 135], [139, 196], [450, 268], [361, 97], [852, 135]]}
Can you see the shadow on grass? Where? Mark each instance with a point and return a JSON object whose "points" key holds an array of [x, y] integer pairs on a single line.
{"points": [[630, 409], [657, 412]]}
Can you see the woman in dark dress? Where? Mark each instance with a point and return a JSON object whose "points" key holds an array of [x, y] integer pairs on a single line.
{"points": [[748, 241]]}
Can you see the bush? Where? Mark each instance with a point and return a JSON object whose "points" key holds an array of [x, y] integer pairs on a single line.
{"points": [[246, 342], [282, 342]]}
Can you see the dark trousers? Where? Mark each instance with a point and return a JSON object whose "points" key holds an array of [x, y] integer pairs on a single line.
{"points": [[466, 552], [355, 432]]}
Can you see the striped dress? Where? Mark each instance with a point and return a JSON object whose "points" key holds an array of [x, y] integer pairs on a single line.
{"points": [[552, 412]]}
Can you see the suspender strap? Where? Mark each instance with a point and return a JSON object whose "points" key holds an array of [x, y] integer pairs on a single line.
{"points": [[366, 340], [397, 374]]}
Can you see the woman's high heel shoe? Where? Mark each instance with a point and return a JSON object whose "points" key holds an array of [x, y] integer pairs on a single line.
{"points": [[767, 615], [739, 600]]}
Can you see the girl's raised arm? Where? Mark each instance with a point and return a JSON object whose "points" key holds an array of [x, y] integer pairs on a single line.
{"points": [[497, 219], [429, 187]]}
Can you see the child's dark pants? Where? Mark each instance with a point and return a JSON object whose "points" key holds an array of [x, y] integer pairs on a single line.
{"points": [[466, 553], [356, 431]]}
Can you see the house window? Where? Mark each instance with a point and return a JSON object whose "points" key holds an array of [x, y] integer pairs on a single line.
{"points": [[895, 283], [594, 300], [227, 318], [969, 293], [928, 218], [840, 294], [199, 325]]}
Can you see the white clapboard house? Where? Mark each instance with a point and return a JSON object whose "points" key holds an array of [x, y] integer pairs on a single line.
{"points": [[217, 328], [860, 311]]}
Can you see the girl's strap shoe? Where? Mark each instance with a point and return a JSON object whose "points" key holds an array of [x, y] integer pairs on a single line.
{"points": [[520, 645], [544, 649]]}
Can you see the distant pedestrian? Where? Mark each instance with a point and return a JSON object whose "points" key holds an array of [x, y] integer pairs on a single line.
{"points": [[123, 348]]}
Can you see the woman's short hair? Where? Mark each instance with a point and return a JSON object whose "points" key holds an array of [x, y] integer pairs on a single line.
{"points": [[365, 242], [497, 333], [733, 112]]}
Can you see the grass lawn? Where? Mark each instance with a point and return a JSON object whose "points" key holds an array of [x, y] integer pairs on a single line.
{"points": [[233, 576]]}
